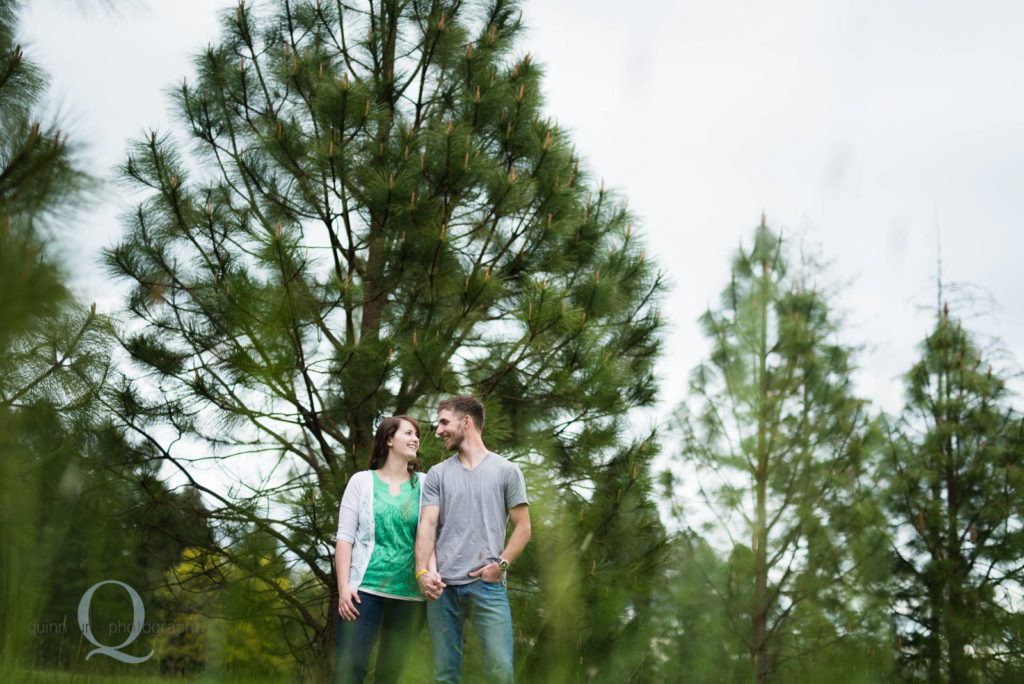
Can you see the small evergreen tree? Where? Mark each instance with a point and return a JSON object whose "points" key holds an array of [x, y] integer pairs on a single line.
{"points": [[779, 444], [379, 215], [955, 484]]}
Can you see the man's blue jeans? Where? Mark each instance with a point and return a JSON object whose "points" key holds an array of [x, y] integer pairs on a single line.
{"points": [[486, 605]]}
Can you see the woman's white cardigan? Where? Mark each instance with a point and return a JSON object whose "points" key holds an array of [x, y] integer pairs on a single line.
{"points": [[355, 521]]}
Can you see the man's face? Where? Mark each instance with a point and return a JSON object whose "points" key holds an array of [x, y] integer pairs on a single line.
{"points": [[451, 428]]}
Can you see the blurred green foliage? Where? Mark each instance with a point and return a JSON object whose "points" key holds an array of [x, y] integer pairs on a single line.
{"points": [[51, 355], [781, 451]]}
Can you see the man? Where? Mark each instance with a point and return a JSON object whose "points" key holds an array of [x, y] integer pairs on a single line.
{"points": [[468, 499]]}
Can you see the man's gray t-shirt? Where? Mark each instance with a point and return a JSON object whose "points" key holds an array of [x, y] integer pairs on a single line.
{"points": [[474, 506]]}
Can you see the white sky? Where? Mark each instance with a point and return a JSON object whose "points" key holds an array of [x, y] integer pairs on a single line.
{"points": [[855, 122]]}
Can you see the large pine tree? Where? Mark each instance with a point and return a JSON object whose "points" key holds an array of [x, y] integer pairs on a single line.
{"points": [[378, 214], [776, 437], [955, 486]]}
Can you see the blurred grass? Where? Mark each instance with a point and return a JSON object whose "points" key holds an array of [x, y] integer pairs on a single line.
{"points": [[59, 677]]}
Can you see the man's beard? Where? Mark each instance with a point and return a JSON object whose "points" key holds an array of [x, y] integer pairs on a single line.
{"points": [[456, 442]]}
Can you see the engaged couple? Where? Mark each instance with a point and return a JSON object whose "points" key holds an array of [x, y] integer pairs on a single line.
{"points": [[405, 540]]}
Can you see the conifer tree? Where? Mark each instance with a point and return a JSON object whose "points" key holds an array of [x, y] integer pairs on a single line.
{"points": [[777, 440], [378, 214], [954, 486], [39, 182], [71, 506], [52, 351]]}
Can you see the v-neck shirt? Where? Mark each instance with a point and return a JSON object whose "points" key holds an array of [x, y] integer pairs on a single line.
{"points": [[390, 571], [473, 516]]}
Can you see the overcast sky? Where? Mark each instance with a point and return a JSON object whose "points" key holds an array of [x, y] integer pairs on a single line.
{"points": [[861, 125]]}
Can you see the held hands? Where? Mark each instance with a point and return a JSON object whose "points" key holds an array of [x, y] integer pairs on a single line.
{"points": [[346, 608], [489, 573], [431, 585]]}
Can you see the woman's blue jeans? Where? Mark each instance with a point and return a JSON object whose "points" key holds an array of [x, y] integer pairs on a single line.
{"points": [[486, 605], [398, 622]]}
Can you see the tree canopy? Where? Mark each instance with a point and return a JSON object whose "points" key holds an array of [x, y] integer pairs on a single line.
{"points": [[781, 448], [374, 211], [954, 485]]}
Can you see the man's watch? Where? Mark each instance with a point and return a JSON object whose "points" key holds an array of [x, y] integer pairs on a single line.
{"points": [[503, 564]]}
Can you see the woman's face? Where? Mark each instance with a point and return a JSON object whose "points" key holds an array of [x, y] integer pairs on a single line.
{"points": [[405, 441]]}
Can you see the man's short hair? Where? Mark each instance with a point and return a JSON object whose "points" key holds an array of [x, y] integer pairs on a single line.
{"points": [[466, 405]]}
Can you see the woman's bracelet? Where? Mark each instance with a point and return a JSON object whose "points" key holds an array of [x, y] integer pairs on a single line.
{"points": [[420, 574]]}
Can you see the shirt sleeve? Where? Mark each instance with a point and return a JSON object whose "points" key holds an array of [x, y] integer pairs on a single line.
{"points": [[515, 488], [348, 512], [431, 489]]}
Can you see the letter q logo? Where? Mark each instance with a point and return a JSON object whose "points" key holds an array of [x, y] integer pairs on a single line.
{"points": [[138, 617]]}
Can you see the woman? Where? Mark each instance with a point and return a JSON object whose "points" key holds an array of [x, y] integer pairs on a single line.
{"points": [[374, 556]]}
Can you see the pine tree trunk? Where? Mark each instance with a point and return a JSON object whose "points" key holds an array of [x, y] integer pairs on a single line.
{"points": [[936, 607], [327, 639], [375, 290], [933, 640], [952, 577], [936, 599], [955, 639], [958, 669], [760, 541]]}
